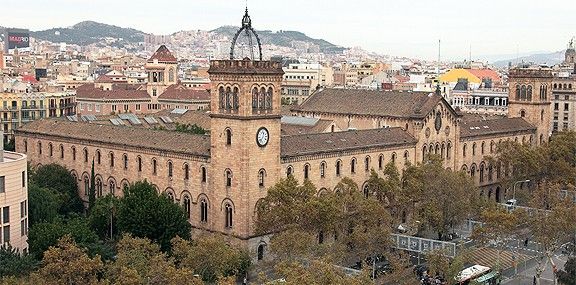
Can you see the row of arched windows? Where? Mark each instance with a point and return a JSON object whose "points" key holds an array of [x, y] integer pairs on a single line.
{"points": [[442, 149], [523, 92], [567, 86], [485, 171], [125, 161], [99, 186], [203, 209], [229, 98], [492, 146], [262, 98], [339, 164]]}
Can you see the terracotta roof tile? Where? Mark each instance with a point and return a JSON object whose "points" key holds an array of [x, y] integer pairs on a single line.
{"points": [[119, 91], [198, 145], [371, 102], [183, 93], [163, 55], [494, 127], [309, 144]]}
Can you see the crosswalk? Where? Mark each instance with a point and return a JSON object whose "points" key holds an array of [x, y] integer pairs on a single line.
{"points": [[489, 257]]}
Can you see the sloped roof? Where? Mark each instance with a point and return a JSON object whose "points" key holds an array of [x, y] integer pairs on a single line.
{"points": [[486, 73], [457, 73], [494, 127], [162, 54], [371, 102], [122, 136], [182, 93], [119, 91], [309, 144]]}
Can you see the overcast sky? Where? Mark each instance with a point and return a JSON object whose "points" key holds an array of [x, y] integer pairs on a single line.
{"points": [[397, 27]]}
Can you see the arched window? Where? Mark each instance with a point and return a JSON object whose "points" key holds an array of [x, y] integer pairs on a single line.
{"points": [[228, 174], [25, 145], [228, 98], [139, 162], [482, 172], [306, 171], [517, 92], [222, 96], [98, 157], [473, 149], [523, 93], [186, 171], [254, 99], [112, 186], [367, 163], [490, 172], [269, 95], [449, 150], [111, 159], [39, 148], [85, 155], [394, 157], [338, 164], [125, 161], [86, 185], [482, 148], [380, 161], [491, 146], [473, 170], [261, 250], [125, 186], [98, 187], [322, 169], [170, 169], [186, 204], [366, 190], [203, 211], [261, 98], [229, 210], [235, 101], [261, 175], [171, 75], [407, 155], [542, 116], [228, 137], [170, 195], [529, 93], [204, 175], [61, 151], [289, 170], [464, 150], [154, 166], [50, 149], [353, 166], [73, 153], [522, 113]]}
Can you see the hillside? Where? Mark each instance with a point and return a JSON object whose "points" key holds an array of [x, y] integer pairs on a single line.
{"points": [[89, 32], [540, 58], [282, 38]]}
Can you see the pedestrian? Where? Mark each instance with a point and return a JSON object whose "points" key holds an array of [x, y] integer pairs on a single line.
{"points": [[245, 281], [534, 281], [526, 242]]}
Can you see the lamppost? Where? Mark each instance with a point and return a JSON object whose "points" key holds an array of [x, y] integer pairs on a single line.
{"points": [[514, 187]]}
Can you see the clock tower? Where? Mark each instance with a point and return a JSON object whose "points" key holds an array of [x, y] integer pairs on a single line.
{"points": [[245, 135]]}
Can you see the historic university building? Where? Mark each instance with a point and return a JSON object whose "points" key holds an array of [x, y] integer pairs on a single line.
{"points": [[219, 178]]}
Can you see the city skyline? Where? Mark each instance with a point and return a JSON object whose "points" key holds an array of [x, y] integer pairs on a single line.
{"points": [[392, 28]]}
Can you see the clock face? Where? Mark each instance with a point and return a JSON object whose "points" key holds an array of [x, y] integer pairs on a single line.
{"points": [[262, 137]]}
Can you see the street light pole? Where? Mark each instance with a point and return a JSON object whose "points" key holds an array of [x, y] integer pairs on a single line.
{"points": [[514, 187]]}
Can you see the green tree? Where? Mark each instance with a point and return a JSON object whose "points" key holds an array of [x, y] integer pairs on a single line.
{"points": [[139, 261], [12, 263], [190, 129], [568, 275], [444, 198], [43, 204], [58, 178], [103, 217], [142, 212], [66, 263], [210, 257], [43, 235], [9, 145], [317, 272], [92, 193]]}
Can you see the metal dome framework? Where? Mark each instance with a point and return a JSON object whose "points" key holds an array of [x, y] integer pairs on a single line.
{"points": [[248, 32]]}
